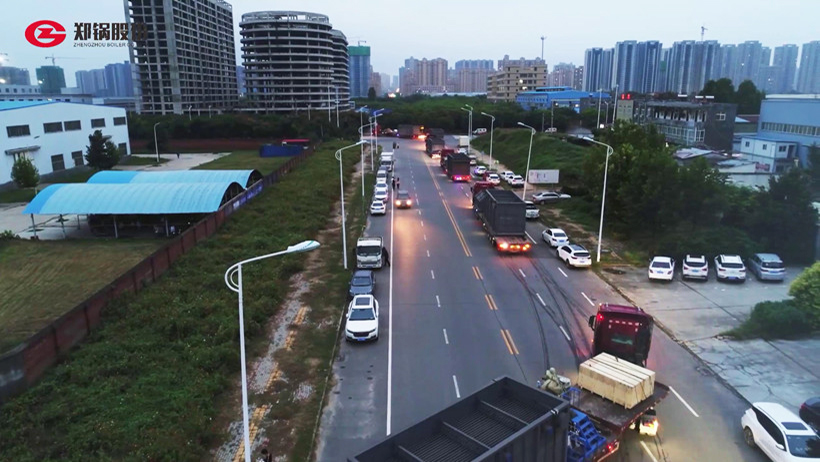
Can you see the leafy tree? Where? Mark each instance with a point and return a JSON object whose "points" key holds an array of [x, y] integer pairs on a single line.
{"points": [[748, 98], [101, 153], [24, 173], [721, 89], [814, 167], [371, 93], [806, 292]]}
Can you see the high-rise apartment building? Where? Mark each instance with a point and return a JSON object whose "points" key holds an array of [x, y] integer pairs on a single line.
{"points": [[562, 75], [91, 82], [51, 79], [505, 84], [662, 83], [119, 80], [14, 75], [578, 78], [785, 69], [727, 62], [187, 60], [472, 80], [359, 71], [808, 77], [294, 60], [635, 65], [690, 65], [423, 75], [750, 57], [240, 79], [598, 69], [475, 64]]}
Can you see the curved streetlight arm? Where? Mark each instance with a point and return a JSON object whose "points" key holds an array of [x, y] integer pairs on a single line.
{"points": [[304, 246], [492, 129], [609, 151], [533, 131]]}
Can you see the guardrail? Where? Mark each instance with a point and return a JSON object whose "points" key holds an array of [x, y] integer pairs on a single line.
{"points": [[22, 366]]}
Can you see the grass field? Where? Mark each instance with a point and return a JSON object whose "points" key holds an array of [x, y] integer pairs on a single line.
{"points": [[42, 280], [244, 160], [26, 195], [149, 382]]}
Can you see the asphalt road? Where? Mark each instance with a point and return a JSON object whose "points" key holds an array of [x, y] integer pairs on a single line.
{"points": [[458, 314]]}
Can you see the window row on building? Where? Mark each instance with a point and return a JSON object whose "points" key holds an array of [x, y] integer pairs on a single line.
{"points": [[77, 157], [55, 127], [805, 130]]}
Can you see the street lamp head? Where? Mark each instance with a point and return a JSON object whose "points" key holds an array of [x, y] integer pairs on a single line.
{"points": [[361, 142], [304, 246], [488, 115], [467, 105]]}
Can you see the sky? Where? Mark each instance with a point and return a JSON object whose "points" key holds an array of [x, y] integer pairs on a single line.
{"points": [[453, 30]]}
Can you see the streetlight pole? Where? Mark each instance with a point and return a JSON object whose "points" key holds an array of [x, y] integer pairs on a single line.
{"points": [[609, 151], [337, 106], [236, 286], [209, 110], [342, 182], [361, 111], [190, 108], [598, 124], [375, 130], [529, 154], [615, 106], [469, 129], [156, 146], [328, 103], [492, 127]]}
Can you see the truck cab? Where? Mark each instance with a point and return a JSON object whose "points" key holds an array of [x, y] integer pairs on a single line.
{"points": [[386, 160], [622, 331], [369, 252]]}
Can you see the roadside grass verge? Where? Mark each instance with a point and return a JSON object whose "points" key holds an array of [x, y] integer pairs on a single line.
{"points": [[27, 194], [147, 384], [138, 160], [244, 160], [17, 195], [44, 279]]}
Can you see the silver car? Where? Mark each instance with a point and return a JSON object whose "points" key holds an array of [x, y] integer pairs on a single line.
{"points": [[767, 267]]}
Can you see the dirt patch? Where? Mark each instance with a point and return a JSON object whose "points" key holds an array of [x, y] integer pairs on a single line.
{"points": [[303, 391]]}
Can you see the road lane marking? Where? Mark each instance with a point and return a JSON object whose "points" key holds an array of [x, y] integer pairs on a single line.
{"points": [[428, 253], [530, 237], [477, 273], [490, 302], [446, 340], [390, 327], [564, 332], [438, 302], [422, 223], [562, 272], [425, 237], [522, 272], [432, 274], [684, 402], [458, 231], [646, 448], [585, 296], [541, 300], [505, 334], [455, 382], [419, 211]]}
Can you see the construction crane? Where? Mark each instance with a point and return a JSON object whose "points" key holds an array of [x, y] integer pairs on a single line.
{"points": [[54, 58], [361, 41], [702, 31]]}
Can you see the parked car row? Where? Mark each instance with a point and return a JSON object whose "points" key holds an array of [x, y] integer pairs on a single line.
{"points": [[574, 255], [764, 266]]}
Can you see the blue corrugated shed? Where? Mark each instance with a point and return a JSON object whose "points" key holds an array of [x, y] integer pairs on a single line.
{"points": [[173, 176], [125, 199], [8, 105]]}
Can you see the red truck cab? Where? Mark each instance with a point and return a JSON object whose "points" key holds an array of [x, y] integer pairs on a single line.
{"points": [[622, 331]]}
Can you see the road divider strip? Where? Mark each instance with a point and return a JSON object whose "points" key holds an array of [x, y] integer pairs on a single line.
{"points": [[505, 334], [438, 302], [451, 216], [490, 302], [522, 272], [543, 303], [432, 274]]}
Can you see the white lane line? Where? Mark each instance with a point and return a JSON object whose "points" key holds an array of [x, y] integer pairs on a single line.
{"points": [[466, 194], [684, 402], [541, 299], [422, 223], [648, 452], [531, 239], [438, 302], [446, 340], [455, 382], [562, 272], [425, 237], [585, 296], [419, 212], [522, 272], [564, 332], [432, 274], [428, 253], [390, 328]]}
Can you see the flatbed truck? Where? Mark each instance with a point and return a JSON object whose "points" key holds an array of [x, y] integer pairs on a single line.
{"points": [[504, 217]]}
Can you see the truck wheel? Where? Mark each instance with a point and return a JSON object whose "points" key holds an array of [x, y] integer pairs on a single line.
{"points": [[749, 437]]}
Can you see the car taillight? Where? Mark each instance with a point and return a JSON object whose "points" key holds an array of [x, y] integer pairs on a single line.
{"points": [[503, 245], [526, 246]]}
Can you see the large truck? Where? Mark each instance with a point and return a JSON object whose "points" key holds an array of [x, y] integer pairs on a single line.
{"points": [[598, 424], [433, 144], [369, 252], [504, 217], [410, 131], [386, 160], [463, 142], [504, 421], [457, 167], [442, 156], [434, 132]]}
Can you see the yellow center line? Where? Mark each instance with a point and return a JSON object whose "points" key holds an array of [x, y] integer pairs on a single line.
{"points": [[451, 216], [506, 341], [477, 272], [512, 343], [491, 302]]}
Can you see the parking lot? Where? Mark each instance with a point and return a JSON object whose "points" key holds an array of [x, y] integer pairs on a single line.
{"points": [[695, 313]]}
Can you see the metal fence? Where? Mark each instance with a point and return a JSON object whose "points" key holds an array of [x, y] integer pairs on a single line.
{"points": [[25, 364]]}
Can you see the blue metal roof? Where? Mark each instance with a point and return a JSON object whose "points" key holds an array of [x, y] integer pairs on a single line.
{"points": [[172, 176], [8, 105], [124, 199]]}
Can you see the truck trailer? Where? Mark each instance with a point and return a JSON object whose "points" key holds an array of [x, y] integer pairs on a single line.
{"points": [[457, 167], [433, 144], [504, 421], [504, 217], [410, 131]]}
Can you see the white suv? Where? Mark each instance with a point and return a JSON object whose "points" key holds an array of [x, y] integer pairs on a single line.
{"points": [[507, 176], [494, 178], [695, 267], [555, 237], [517, 181], [574, 255], [362, 319], [532, 210], [730, 267], [779, 433]]}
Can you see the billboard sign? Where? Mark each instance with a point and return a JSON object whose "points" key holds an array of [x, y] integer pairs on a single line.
{"points": [[543, 177]]}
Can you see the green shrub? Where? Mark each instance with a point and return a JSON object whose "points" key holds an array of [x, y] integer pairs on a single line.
{"points": [[806, 292], [780, 319]]}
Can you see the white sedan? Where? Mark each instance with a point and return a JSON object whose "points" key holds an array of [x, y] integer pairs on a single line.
{"points": [[362, 319], [548, 196], [555, 237], [662, 269], [517, 181], [494, 178], [381, 187], [574, 255], [378, 208], [380, 196], [479, 171]]}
